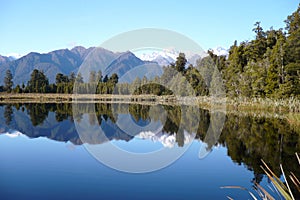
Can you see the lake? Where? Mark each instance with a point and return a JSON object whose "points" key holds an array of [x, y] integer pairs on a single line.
{"points": [[65, 151]]}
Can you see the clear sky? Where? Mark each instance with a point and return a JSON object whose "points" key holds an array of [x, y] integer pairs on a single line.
{"points": [[43, 26]]}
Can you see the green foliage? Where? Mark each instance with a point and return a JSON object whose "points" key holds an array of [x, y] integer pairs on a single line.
{"points": [[258, 46], [152, 88], [195, 79], [38, 82], [293, 21], [105, 79], [8, 83], [17, 89], [60, 78], [113, 79], [291, 86], [266, 66], [180, 62], [79, 78]]}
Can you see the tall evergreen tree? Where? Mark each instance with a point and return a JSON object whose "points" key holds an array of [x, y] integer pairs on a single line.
{"points": [[291, 84], [114, 79], [38, 82], [258, 46], [180, 62], [8, 83], [275, 73], [105, 79], [292, 21], [99, 76], [72, 77], [92, 77]]}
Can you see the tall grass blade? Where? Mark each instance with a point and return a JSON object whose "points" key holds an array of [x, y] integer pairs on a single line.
{"points": [[274, 175], [266, 194], [252, 195], [239, 187], [298, 157], [276, 191], [287, 184], [295, 180], [283, 192], [233, 187]]}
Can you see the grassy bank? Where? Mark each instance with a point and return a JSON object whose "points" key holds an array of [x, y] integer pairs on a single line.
{"points": [[275, 105], [280, 106], [68, 98]]}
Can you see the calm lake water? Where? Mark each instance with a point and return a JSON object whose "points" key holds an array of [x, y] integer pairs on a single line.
{"points": [[43, 155]]}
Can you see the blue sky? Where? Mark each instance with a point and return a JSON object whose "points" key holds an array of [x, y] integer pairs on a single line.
{"points": [[43, 26]]}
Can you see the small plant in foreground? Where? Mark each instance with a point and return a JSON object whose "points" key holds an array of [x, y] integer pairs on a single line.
{"points": [[278, 185]]}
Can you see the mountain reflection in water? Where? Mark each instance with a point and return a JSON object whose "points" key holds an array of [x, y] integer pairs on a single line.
{"points": [[248, 139]]}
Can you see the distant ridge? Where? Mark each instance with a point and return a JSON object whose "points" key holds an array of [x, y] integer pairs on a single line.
{"points": [[66, 61]]}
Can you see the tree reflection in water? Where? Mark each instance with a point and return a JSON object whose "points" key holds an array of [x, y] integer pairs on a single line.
{"points": [[248, 139]]}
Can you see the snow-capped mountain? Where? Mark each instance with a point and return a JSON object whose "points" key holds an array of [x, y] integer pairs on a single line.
{"points": [[14, 56], [220, 51], [9, 58], [167, 56]]}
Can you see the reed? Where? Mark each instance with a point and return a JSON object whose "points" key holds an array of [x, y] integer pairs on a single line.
{"points": [[279, 186], [276, 105]]}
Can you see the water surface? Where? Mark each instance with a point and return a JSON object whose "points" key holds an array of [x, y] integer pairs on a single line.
{"points": [[43, 156]]}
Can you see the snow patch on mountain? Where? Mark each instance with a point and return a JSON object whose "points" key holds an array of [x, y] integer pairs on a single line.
{"points": [[167, 56], [13, 56], [167, 140], [12, 133], [220, 51]]}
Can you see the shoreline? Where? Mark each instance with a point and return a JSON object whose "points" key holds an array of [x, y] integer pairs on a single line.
{"points": [[82, 98], [279, 106]]}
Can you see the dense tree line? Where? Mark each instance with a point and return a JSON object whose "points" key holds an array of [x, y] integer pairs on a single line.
{"points": [[177, 79], [268, 66], [39, 83]]}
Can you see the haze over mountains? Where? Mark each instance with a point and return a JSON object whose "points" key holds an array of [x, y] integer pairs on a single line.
{"points": [[66, 61]]}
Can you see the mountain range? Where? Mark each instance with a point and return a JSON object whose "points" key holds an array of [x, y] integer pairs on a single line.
{"points": [[66, 61], [60, 61]]}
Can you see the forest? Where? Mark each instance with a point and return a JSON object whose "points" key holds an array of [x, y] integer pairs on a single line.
{"points": [[267, 66]]}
